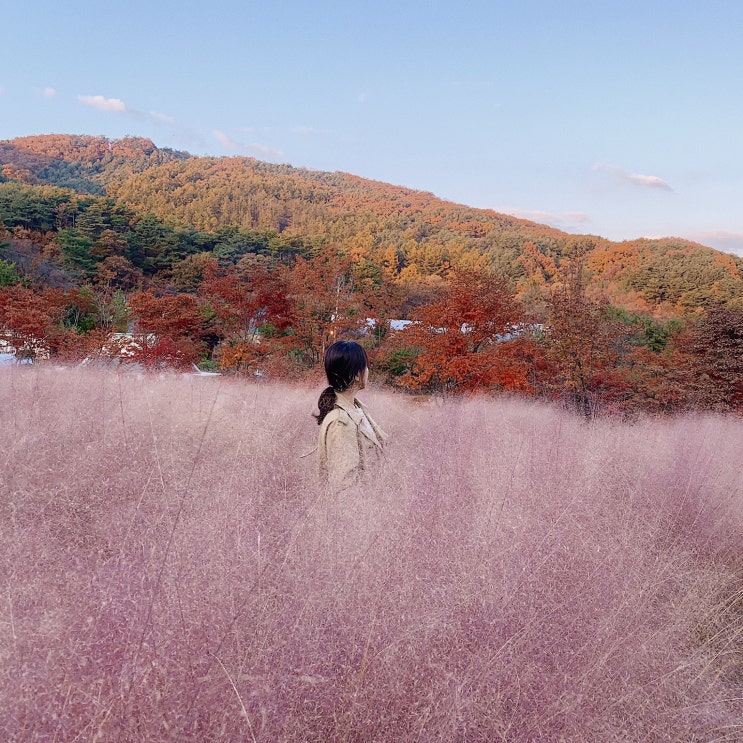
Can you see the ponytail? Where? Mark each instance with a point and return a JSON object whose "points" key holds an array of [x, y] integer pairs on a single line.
{"points": [[344, 361], [326, 403]]}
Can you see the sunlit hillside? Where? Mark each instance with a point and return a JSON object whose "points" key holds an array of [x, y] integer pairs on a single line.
{"points": [[172, 572], [410, 234]]}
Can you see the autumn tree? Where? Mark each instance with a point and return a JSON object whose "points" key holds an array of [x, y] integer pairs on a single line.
{"points": [[540, 270], [656, 381], [166, 329], [250, 312], [466, 340], [583, 344], [50, 322], [710, 360], [29, 319], [187, 274], [109, 243], [116, 273], [325, 303]]}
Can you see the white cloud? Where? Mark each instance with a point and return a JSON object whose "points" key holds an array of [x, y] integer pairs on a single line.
{"points": [[232, 145], [162, 118], [564, 220], [48, 92], [727, 242], [637, 179], [264, 151], [103, 104], [2, 89], [226, 141], [651, 181], [116, 105]]}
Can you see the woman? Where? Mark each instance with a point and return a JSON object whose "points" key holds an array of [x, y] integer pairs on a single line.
{"points": [[350, 442]]}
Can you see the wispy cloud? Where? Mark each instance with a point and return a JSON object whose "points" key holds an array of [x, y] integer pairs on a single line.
{"points": [[256, 130], [637, 179], [48, 92], [226, 141], [162, 118], [232, 145], [727, 242], [561, 220], [264, 151], [2, 89], [115, 105]]}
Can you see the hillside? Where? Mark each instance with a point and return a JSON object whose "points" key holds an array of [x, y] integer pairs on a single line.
{"points": [[413, 234], [256, 268]]}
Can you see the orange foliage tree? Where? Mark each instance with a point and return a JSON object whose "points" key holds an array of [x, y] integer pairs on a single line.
{"points": [[325, 303], [38, 324], [584, 346], [28, 319], [251, 313], [166, 329], [466, 340]]}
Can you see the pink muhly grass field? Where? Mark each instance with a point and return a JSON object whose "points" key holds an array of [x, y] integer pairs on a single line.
{"points": [[171, 571]]}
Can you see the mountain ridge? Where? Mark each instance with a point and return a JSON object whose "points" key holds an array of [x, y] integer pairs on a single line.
{"points": [[420, 235]]}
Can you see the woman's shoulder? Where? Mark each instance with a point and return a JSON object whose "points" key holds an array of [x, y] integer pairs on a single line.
{"points": [[336, 415]]}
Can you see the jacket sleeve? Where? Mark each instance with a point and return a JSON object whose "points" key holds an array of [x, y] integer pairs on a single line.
{"points": [[342, 461]]}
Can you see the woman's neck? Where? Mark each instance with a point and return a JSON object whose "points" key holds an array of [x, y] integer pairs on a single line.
{"points": [[349, 395]]}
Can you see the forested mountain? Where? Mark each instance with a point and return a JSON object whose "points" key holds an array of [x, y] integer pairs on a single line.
{"points": [[414, 235], [82, 163], [256, 267]]}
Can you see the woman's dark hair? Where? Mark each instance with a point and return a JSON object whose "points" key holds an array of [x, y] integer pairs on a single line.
{"points": [[344, 361]]}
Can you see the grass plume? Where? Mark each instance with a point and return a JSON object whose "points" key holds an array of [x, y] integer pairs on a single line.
{"points": [[172, 572]]}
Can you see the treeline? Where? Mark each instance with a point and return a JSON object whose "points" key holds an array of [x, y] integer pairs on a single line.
{"points": [[413, 233], [91, 235], [83, 163], [469, 333], [255, 268]]}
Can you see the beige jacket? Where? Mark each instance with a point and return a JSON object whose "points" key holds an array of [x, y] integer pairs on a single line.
{"points": [[346, 448]]}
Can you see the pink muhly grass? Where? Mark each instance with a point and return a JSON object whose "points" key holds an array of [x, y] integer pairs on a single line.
{"points": [[172, 572]]}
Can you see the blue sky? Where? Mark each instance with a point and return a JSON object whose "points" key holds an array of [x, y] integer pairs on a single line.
{"points": [[619, 119]]}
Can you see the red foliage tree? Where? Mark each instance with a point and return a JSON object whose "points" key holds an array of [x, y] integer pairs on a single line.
{"points": [[29, 319], [584, 346], [657, 381], [52, 322], [251, 311], [325, 303], [468, 339], [710, 360], [166, 329]]}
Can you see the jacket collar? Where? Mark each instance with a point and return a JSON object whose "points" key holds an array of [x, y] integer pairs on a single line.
{"points": [[349, 405], [356, 411]]}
